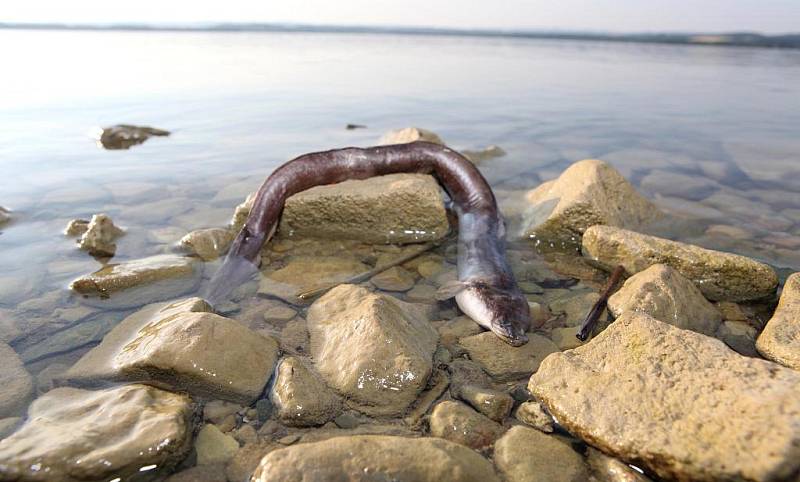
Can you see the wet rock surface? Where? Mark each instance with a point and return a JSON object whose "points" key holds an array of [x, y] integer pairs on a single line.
{"points": [[99, 237], [532, 413], [214, 447], [718, 275], [409, 134], [458, 423], [589, 192], [666, 295], [133, 283], [373, 349], [308, 272], [124, 136], [393, 279], [376, 458], [397, 208], [80, 435], [527, 455], [635, 376], [169, 345], [503, 361], [16, 383], [493, 403], [780, 339], [5, 216], [208, 244], [300, 397]]}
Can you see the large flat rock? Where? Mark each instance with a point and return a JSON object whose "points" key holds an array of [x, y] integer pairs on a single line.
{"points": [[182, 346], [719, 276], [374, 349], [16, 383], [138, 282], [678, 403], [375, 458], [397, 208], [780, 340], [589, 192], [133, 432], [666, 295]]}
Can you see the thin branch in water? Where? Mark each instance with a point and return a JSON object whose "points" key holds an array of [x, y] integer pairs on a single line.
{"points": [[587, 327]]}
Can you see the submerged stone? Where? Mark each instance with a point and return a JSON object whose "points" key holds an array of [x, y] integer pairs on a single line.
{"points": [[672, 401], [207, 244], [409, 134], [182, 346], [308, 272], [5, 215], [138, 282], [213, 446], [396, 208], [532, 413], [393, 279], [663, 293], [503, 361], [458, 423], [780, 339], [376, 458], [374, 349], [300, 397], [589, 192], [718, 275], [493, 403], [527, 455], [98, 239], [16, 383], [134, 432], [123, 136]]}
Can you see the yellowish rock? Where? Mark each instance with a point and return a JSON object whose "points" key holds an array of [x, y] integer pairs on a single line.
{"points": [[503, 361], [458, 423], [209, 244], [213, 446], [409, 134], [780, 339], [300, 397], [98, 239], [527, 455]]}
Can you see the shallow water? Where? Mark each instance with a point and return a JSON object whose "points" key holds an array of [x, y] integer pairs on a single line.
{"points": [[709, 133]]}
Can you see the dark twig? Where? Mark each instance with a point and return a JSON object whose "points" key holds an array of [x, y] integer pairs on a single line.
{"points": [[587, 327]]}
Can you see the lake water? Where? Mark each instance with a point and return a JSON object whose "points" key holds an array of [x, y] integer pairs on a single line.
{"points": [[712, 134]]}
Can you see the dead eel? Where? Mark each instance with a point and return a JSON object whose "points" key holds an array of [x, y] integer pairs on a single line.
{"points": [[486, 290]]}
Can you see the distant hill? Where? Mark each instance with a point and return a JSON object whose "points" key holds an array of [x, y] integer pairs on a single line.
{"points": [[735, 39]]}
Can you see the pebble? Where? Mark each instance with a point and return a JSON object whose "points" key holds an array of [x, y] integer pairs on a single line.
{"points": [[346, 421], [532, 413], [393, 279], [213, 446], [279, 313]]}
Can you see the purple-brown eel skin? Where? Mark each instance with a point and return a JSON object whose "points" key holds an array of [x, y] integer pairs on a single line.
{"points": [[486, 289]]}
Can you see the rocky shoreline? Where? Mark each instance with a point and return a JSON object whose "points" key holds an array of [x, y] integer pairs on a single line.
{"points": [[692, 373]]}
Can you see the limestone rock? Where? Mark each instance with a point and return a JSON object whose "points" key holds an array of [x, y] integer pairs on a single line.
{"points": [[76, 435], [493, 403], [458, 423], [208, 244], [215, 411], [76, 227], [527, 455], [123, 136], [503, 361], [308, 272], [718, 275], [98, 239], [671, 401], [780, 339], [393, 279], [565, 338], [453, 330], [213, 446], [374, 349], [200, 473], [376, 458], [663, 293], [409, 134], [300, 398], [589, 192], [532, 413], [740, 336], [241, 212], [489, 152], [574, 307], [9, 425], [244, 463], [133, 283], [278, 312], [396, 209], [185, 347], [16, 383], [609, 469]]}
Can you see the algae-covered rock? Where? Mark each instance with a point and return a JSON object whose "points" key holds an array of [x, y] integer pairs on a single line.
{"points": [[458, 423], [780, 339], [134, 432], [718, 275], [503, 361], [375, 458], [138, 282], [374, 349], [169, 345], [677, 403], [527, 455], [409, 134], [589, 192], [664, 294], [300, 397], [397, 208]]}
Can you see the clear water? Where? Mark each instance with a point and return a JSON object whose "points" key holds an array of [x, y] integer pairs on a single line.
{"points": [[240, 104]]}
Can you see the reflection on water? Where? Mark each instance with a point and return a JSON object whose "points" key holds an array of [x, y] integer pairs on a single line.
{"points": [[709, 133]]}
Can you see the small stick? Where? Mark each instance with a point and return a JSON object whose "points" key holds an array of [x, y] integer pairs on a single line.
{"points": [[587, 327], [411, 254]]}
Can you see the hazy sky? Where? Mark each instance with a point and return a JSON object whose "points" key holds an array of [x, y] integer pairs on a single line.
{"points": [[771, 16]]}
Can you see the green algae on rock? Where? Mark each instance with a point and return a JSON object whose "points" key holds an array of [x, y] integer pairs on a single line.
{"points": [[134, 432], [376, 458], [719, 276], [677, 403]]}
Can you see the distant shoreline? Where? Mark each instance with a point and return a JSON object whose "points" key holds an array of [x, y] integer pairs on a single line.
{"points": [[733, 39]]}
